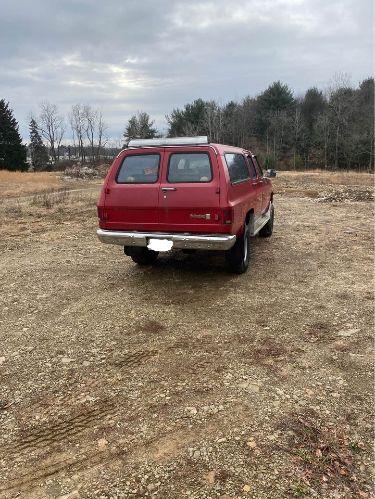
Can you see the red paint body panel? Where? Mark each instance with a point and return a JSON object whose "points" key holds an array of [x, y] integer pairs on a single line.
{"points": [[190, 207]]}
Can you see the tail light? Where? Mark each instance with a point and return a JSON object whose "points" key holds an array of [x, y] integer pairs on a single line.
{"points": [[227, 216]]}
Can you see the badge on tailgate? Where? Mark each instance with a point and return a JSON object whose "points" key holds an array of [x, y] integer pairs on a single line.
{"points": [[205, 216]]}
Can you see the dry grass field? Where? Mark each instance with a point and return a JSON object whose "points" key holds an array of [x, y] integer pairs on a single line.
{"points": [[24, 184], [14, 184], [182, 380]]}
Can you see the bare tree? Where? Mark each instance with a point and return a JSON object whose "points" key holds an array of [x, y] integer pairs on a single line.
{"points": [[91, 117], [89, 131], [95, 131], [78, 123], [297, 126], [340, 96], [52, 127], [214, 120], [278, 129], [102, 137], [323, 126]]}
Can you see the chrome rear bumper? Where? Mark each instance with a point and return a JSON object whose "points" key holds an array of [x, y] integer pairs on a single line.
{"points": [[180, 240]]}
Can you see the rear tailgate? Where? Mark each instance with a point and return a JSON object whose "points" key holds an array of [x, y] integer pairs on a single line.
{"points": [[132, 191], [190, 191]]}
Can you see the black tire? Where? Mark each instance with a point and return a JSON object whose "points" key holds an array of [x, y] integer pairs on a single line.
{"points": [[267, 230], [141, 256], [189, 251], [238, 257]]}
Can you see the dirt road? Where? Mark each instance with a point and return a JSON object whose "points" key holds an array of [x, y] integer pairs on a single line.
{"points": [[182, 380]]}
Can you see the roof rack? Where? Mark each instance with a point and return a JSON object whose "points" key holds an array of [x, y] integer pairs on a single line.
{"points": [[171, 141]]}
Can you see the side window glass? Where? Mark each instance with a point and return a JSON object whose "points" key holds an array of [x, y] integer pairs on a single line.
{"points": [[237, 167], [257, 166], [253, 173]]}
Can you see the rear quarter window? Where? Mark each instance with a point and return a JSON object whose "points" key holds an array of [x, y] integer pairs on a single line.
{"points": [[257, 166], [253, 173], [139, 169], [237, 167], [189, 167]]}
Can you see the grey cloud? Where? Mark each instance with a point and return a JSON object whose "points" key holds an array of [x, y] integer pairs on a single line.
{"points": [[123, 56]]}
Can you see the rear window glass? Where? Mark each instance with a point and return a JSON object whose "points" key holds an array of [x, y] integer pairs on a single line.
{"points": [[139, 169], [237, 167], [189, 167]]}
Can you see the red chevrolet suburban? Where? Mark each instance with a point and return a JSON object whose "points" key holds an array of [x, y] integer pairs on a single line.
{"points": [[185, 193]]}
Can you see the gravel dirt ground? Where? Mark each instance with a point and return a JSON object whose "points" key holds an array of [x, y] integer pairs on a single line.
{"points": [[181, 379]]}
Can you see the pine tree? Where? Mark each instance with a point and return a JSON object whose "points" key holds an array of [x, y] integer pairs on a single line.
{"points": [[191, 120], [12, 151], [140, 126], [38, 151]]}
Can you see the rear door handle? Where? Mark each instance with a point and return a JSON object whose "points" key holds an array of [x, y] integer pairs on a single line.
{"points": [[168, 189]]}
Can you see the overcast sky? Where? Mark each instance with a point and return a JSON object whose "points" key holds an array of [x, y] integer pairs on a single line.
{"points": [[127, 55]]}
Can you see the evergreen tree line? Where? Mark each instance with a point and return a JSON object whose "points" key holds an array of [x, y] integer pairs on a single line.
{"points": [[331, 129], [12, 151], [334, 129]]}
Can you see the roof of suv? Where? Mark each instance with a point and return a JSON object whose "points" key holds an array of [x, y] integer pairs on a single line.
{"points": [[223, 148], [219, 148], [183, 142]]}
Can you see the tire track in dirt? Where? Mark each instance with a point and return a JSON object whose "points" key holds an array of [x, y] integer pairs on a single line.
{"points": [[129, 360], [47, 435], [134, 359], [46, 471], [159, 449], [57, 432]]}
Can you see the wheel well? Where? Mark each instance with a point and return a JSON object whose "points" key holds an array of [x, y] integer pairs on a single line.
{"points": [[249, 216], [249, 220]]}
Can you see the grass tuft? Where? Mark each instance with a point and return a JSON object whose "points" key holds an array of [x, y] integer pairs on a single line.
{"points": [[49, 199], [323, 454]]}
